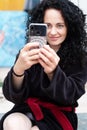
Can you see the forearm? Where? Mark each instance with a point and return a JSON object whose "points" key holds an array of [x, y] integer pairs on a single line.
{"points": [[11, 92], [17, 77]]}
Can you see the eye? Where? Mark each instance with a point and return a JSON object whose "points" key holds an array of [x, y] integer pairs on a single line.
{"points": [[60, 26], [49, 25]]}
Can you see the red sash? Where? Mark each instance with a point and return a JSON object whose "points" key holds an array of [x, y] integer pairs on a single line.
{"points": [[35, 103]]}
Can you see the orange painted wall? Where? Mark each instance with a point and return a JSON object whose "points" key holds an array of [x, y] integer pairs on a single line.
{"points": [[12, 4]]}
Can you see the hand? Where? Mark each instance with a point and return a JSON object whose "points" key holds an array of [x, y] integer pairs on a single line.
{"points": [[28, 56], [48, 59]]}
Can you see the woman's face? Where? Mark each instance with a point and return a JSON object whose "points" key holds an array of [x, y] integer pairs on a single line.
{"points": [[57, 30]]}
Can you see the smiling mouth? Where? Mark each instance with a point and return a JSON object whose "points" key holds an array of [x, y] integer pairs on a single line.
{"points": [[54, 38]]}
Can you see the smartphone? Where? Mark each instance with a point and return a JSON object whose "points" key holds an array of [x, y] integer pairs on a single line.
{"points": [[37, 33]]}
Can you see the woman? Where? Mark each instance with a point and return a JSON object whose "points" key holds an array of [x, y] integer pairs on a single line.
{"points": [[45, 83]]}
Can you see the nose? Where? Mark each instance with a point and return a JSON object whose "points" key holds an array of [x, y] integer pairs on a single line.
{"points": [[53, 31]]}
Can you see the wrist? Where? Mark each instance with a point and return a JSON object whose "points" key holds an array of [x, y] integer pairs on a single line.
{"points": [[50, 76], [17, 73]]}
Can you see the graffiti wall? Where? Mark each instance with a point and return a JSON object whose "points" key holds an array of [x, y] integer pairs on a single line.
{"points": [[12, 30], [12, 4], [12, 35], [13, 14]]}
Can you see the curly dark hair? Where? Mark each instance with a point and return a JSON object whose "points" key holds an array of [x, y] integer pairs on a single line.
{"points": [[74, 49]]}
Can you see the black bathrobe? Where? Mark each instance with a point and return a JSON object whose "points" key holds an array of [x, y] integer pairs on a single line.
{"points": [[65, 88]]}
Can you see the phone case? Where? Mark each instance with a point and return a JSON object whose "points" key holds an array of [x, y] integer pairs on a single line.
{"points": [[37, 33]]}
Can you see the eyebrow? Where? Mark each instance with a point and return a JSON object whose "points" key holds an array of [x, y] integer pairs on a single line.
{"points": [[57, 23]]}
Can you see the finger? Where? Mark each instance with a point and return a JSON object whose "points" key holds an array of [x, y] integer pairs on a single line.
{"points": [[33, 57], [47, 68], [44, 58], [33, 52], [49, 49], [42, 63], [48, 54], [50, 59], [34, 62], [30, 46]]}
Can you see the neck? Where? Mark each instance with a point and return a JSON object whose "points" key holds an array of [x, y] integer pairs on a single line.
{"points": [[55, 48]]}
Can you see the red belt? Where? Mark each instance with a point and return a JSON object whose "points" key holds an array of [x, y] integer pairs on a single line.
{"points": [[35, 103]]}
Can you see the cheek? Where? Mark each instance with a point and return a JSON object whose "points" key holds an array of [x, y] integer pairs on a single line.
{"points": [[48, 38], [48, 33], [64, 33]]}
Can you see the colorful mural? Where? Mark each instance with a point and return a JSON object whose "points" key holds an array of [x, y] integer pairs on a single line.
{"points": [[12, 35], [12, 4], [13, 14]]}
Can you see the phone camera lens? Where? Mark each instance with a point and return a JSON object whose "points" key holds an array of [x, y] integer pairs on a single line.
{"points": [[38, 33]]}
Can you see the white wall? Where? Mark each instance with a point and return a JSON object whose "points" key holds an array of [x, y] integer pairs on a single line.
{"points": [[82, 4], [3, 73]]}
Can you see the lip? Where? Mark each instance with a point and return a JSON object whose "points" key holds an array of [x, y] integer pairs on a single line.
{"points": [[54, 38]]}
